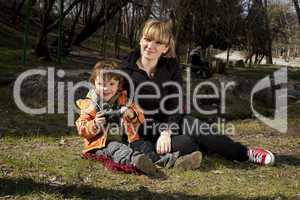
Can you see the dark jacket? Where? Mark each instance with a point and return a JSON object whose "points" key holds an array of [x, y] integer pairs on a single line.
{"points": [[167, 69]]}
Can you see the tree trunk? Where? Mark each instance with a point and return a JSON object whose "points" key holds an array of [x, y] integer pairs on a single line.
{"points": [[269, 59], [131, 30], [72, 31], [17, 10], [297, 8], [148, 7], [261, 58], [117, 36], [250, 59], [256, 58], [227, 58], [42, 49], [268, 53], [13, 7]]}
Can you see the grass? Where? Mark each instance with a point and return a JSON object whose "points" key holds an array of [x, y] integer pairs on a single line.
{"points": [[22, 124], [11, 41], [11, 51], [259, 72], [35, 167], [10, 37], [47, 165], [95, 43], [11, 61]]}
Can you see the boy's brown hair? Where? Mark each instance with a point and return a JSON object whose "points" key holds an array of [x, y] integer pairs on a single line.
{"points": [[106, 65]]}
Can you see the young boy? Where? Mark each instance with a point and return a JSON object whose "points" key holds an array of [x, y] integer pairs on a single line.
{"points": [[96, 126]]}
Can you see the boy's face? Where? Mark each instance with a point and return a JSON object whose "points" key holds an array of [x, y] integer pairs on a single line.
{"points": [[106, 89]]}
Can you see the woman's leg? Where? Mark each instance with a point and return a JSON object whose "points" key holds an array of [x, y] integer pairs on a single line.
{"points": [[190, 156], [211, 143], [167, 160], [184, 144]]}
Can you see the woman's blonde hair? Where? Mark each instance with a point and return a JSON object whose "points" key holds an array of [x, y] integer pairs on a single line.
{"points": [[162, 32]]}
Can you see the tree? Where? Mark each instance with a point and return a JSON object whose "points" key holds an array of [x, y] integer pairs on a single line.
{"points": [[206, 24], [258, 32], [297, 8], [230, 23]]}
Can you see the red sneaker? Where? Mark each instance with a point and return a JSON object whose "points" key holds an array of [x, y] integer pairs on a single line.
{"points": [[261, 156]]}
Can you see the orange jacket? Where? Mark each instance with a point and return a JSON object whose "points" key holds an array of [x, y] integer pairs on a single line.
{"points": [[92, 137]]}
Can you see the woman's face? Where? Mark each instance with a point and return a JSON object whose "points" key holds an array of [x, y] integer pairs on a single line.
{"points": [[152, 49], [106, 89]]}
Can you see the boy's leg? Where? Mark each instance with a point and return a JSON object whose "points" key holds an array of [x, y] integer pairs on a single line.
{"points": [[168, 160], [190, 158], [146, 148], [118, 152], [123, 154]]}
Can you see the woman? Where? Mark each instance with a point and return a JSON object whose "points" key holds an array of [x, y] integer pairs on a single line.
{"points": [[154, 63]]}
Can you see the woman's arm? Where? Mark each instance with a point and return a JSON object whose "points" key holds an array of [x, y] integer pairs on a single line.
{"points": [[163, 144], [175, 103]]}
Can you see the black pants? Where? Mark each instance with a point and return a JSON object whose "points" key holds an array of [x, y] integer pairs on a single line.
{"points": [[189, 140]]}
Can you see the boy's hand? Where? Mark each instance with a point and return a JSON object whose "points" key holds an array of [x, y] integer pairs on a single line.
{"points": [[127, 112], [99, 120]]}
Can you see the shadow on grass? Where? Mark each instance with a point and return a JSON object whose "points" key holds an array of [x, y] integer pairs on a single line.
{"points": [[287, 160], [213, 162], [27, 186]]}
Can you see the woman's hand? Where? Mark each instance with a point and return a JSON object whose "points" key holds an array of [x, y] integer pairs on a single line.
{"points": [[163, 144], [99, 120]]}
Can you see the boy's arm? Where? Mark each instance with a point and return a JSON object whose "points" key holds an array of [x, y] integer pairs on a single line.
{"points": [[86, 127], [133, 117], [85, 124]]}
